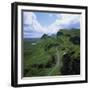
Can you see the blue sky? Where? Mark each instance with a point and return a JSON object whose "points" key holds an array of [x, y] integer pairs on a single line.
{"points": [[45, 19], [35, 24]]}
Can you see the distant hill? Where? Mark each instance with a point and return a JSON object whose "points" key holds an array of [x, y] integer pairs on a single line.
{"points": [[32, 40], [70, 32]]}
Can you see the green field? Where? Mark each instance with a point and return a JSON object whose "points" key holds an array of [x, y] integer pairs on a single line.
{"points": [[57, 54]]}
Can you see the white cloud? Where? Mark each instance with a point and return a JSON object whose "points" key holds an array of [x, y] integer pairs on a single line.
{"points": [[29, 17], [66, 19], [53, 28], [62, 20]]}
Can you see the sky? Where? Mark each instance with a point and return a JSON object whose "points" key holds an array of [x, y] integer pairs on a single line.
{"points": [[35, 24]]}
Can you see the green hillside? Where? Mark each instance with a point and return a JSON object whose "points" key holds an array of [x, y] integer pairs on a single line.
{"points": [[53, 55]]}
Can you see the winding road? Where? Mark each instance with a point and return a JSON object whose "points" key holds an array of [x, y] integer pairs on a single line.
{"points": [[58, 64]]}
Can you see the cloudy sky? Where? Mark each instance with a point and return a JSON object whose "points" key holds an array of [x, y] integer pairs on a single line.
{"points": [[35, 24]]}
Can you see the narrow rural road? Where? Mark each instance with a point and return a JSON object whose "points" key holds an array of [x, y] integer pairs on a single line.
{"points": [[57, 62]]}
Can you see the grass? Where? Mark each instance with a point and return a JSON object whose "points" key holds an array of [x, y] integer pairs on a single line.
{"points": [[41, 59]]}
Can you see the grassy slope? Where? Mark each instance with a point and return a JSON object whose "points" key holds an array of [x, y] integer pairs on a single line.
{"points": [[40, 59]]}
